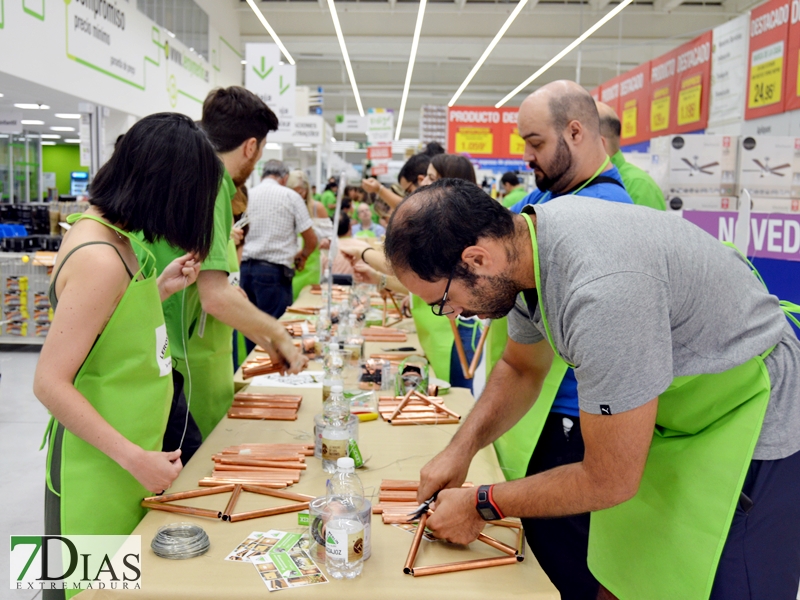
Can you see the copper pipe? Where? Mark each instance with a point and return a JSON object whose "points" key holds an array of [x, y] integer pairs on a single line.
{"points": [[214, 481], [397, 496], [255, 489], [190, 494], [507, 523], [268, 512], [244, 396], [402, 404], [465, 565], [493, 543], [437, 405], [262, 414], [462, 357], [412, 552], [476, 358], [302, 448], [276, 464], [271, 476], [283, 473], [399, 484], [184, 510], [426, 421], [226, 514], [393, 507]]}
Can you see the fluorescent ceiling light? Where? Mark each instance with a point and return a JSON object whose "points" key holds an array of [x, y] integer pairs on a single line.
{"points": [[346, 56], [578, 41], [1, 95], [169, 33], [488, 51], [411, 59], [31, 122], [244, 62], [68, 115], [270, 30], [32, 106], [272, 146], [50, 136], [48, 143], [73, 140], [62, 129]]}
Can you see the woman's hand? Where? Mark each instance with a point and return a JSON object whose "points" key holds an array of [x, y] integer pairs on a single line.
{"points": [[363, 273], [178, 274], [154, 470], [371, 185], [237, 235]]}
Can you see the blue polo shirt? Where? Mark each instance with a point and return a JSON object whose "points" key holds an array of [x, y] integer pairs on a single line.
{"points": [[566, 402]]}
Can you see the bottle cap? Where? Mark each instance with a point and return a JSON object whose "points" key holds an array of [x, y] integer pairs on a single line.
{"points": [[337, 389], [346, 464]]}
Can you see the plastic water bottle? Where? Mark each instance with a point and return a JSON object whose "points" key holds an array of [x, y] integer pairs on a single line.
{"points": [[344, 532], [335, 434]]}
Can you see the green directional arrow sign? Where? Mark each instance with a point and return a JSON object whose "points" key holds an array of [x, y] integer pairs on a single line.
{"points": [[264, 71], [281, 86]]}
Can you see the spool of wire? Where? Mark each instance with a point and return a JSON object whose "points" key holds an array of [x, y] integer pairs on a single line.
{"points": [[179, 541]]}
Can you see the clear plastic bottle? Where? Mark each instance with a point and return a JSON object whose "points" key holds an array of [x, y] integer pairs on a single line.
{"points": [[352, 340], [333, 365], [335, 433], [344, 532]]}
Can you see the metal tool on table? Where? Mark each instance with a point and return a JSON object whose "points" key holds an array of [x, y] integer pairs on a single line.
{"points": [[423, 508]]}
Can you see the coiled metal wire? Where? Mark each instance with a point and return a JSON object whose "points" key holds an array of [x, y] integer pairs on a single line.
{"points": [[179, 541]]}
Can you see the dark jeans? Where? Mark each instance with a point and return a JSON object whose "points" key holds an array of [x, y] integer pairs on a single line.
{"points": [[457, 378], [268, 286], [177, 421], [561, 545]]}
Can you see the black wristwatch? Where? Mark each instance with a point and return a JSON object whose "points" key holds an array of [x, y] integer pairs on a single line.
{"points": [[485, 505]]}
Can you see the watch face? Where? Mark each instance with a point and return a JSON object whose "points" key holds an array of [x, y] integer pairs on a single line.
{"points": [[483, 496], [487, 514]]}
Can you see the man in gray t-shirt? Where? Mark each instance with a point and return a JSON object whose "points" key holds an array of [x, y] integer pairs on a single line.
{"points": [[633, 299]]}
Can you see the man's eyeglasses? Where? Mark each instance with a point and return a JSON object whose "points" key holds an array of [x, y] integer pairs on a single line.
{"points": [[442, 308], [407, 190]]}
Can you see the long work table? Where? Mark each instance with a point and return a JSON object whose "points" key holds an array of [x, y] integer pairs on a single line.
{"points": [[390, 453]]}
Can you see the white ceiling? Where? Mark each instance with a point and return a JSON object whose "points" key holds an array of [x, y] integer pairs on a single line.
{"points": [[378, 34]]}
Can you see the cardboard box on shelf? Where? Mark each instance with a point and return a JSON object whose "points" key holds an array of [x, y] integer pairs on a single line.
{"points": [[698, 165], [769, 166], [677, 202], [776, 205]]}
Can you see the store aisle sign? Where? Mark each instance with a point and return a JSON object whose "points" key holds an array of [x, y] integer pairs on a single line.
{"points": [[662, 84], [634, 91], [484, 132], [766, 75], [380, 152], [771, 235], [352, 124], [728, 70], [11, 121], [380, 126], [692, 84], [308, 130], [793, 59], [272, 80]]}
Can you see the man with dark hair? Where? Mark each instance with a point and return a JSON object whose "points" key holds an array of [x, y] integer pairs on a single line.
{"points": [[513, 188], [689, 414], [410, 178], [643, 190], [561, 128], [201, 319], [270, 256]]}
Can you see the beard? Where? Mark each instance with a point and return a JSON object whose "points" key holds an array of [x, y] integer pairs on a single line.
{"points": [[561, 165], [244, 171], [493, 296]]}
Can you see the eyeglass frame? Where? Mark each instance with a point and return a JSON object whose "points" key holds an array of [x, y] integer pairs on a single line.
{"points": [[443, 302]]}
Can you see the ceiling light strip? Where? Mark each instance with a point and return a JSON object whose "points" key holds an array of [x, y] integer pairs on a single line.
{"points": [[346, 56], [617, 9], [411, 59], [488, 51], [270, 30]]}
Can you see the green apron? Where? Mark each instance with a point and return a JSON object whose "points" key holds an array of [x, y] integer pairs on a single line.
{"points": [[127, 378], [208, 376], [435, 337], [515, 447], [666, 542], [309, 275]]}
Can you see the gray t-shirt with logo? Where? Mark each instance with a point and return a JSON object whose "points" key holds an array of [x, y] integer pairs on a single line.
{"points": [[635, 297]]}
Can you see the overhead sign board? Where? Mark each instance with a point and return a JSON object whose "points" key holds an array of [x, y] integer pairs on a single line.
{"points": [[272, 80], [634, 105], [793, 59], [11, 121], [729, 70], [692, 84], [484, 132], [766, 73], [308, 130]]}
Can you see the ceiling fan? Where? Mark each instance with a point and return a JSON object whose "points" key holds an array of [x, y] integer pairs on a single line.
{"points": [[695, 168], [764, 169]]}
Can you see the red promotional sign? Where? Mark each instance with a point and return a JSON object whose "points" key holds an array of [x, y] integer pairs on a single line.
{"points": [[767, 65], [634, 105], [662, 94], [484, 132], [692, 84], [596, 93], [379, 152], [793, 59], [609, 92]]}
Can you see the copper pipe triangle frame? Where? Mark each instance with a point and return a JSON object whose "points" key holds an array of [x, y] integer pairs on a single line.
{"points": [[510, 555], [164, 502], [386, 294], [448, 415], [469, 370]]}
